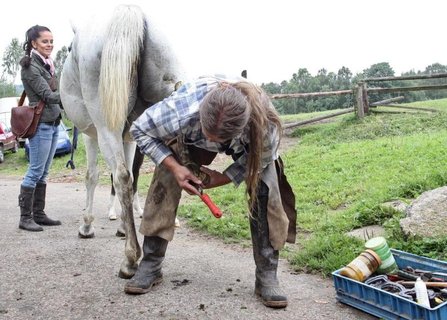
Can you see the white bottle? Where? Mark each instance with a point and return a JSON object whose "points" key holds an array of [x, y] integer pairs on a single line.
{"points": [[421, 293]]}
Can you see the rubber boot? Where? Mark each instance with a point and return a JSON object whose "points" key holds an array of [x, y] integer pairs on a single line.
{"points": [[39, 205], [25, 204], [149, 271], [266, 258]]}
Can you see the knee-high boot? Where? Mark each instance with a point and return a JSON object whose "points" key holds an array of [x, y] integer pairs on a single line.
{"points": [[39, 205], [25, 204], [266, 258], [149, 271]]}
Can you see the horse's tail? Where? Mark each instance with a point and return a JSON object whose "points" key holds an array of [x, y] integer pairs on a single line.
{"points": [[119, 60]]}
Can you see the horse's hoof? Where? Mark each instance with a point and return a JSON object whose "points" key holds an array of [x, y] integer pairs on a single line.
{"points": [[123, 275], [113, 217], [126, 271], [86, 236], [86, 232], [120, 234]]}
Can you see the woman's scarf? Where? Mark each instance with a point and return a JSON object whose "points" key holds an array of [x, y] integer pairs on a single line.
{"points": [[48, 61]]}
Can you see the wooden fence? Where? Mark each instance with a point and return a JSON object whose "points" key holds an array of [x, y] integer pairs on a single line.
{"points": [[360, 92]]}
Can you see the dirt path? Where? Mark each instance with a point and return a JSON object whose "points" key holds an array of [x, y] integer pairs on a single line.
{"points": [[55, 275]]}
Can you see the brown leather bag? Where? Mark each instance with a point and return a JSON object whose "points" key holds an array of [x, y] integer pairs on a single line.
{"points": [[24, 119]]}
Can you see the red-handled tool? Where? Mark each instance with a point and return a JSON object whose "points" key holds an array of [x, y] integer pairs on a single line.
{"points": [[211, 205]]}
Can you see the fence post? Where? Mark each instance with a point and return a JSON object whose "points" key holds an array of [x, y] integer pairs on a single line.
{"points": [[365, 97], [360, 100]]}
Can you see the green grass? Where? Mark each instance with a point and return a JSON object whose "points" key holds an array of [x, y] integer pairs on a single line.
{"points": [[342, 172]]}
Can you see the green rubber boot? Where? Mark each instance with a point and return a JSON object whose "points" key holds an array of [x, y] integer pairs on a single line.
{"points": [[266, 258]]}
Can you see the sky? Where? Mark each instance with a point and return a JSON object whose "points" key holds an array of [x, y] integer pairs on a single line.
{"points": [[272, 40]]}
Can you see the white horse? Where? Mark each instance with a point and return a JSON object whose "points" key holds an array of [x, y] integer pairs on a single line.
{"points": [[117, 67]]}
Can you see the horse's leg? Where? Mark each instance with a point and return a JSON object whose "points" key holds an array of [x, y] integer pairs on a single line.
{"points": [[129, 152], [86, 230], [111, 146], [114, 205]]}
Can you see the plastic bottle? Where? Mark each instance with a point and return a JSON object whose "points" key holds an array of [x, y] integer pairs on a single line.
{"points": [[421, 293], [380, 246]]}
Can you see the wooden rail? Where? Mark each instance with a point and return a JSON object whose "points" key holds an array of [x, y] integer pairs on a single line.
{"points": [[414, 88], [303, 122], [414, 77], [310, 94], [361, 96]]}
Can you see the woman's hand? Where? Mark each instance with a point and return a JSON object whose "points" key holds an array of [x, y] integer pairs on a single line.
{"points": [[217, 179]]}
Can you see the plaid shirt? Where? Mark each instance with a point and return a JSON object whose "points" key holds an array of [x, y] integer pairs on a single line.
{"points": [[178, 116]]}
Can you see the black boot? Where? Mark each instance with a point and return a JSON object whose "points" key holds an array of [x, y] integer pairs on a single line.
{"points": [[149, 271], [266, 258], [25, 204], [39, 205]]}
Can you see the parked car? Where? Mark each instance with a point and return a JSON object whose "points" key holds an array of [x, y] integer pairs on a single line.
{"points": [[63, 143], [8, 141]]}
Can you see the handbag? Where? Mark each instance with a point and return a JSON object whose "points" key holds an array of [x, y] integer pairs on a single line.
{"points": [[24, 119]]}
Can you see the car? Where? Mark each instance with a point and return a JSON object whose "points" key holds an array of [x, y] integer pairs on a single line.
{"points": [[64, 145], [8, 141]]}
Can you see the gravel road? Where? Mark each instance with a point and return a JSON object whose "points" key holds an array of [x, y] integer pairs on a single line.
{"points": [[55, 275]]}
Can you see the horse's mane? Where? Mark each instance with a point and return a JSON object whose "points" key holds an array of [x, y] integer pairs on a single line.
{"points": [[119, 60]]}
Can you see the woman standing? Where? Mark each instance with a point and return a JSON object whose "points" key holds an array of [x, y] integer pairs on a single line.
{"points": [[183, 133], [39, 82]]}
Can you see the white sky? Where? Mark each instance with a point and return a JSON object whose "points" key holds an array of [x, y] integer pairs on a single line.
{"points": [[271, 39]]}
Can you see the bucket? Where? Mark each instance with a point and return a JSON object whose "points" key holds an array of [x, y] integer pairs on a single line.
{"points": [[380, 247], [362, 267]]}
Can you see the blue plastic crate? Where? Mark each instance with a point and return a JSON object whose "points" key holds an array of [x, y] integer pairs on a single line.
{"points": [[387, 305]]}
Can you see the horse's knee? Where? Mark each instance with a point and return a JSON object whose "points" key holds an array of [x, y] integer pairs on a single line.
{"points": [[123, 175], [92, 177]]}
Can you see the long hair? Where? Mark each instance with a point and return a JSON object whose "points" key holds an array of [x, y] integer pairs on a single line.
{"points": [[229, 109], [32, 34]]}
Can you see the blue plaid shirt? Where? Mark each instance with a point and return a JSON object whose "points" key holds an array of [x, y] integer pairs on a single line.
{"points": [[178, 116]]}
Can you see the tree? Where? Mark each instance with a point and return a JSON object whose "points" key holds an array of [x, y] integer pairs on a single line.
{"points": [[379, 70], [6, 89], [343, 79], [435, 68], [11, 59]]}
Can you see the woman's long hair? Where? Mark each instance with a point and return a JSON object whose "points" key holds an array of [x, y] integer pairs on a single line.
{"points": [[229, 109]]}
